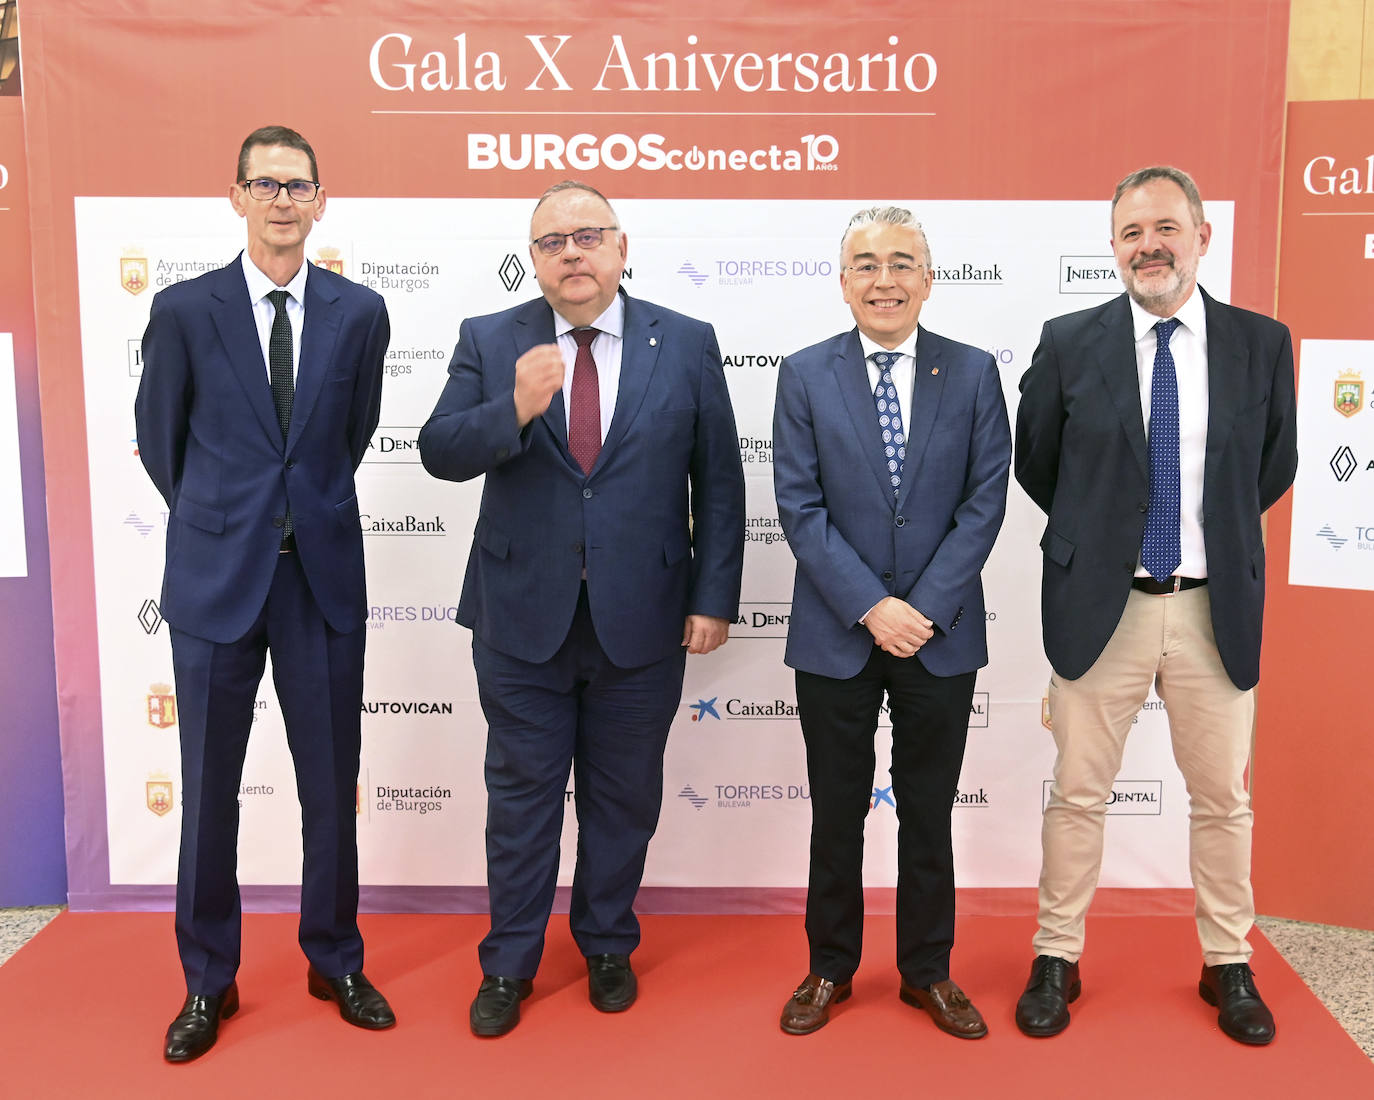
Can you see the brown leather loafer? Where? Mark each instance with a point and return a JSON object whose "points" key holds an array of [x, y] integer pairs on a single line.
{"points": [[808, 1009], [948, 1007]]}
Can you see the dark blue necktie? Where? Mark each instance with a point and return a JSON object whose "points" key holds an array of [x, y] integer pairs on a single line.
{"points": [[890, 416], [1159, 550], [279, 365]]}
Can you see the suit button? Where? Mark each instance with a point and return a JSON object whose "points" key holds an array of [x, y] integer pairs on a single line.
{"points": [[1143, 506], [587, 494], [278, 521], [901, 521], [577, 548], [887, 576], [502, 454], [290, 463]]}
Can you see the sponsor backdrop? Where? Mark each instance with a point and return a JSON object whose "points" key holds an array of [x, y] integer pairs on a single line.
{"points": [[32, 865], [1315, 758], [735, 149]]}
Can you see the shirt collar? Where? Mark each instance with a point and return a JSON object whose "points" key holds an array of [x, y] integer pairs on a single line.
{"points": [[907, 347], [260, 286], [611, 322], [1192, 315]]}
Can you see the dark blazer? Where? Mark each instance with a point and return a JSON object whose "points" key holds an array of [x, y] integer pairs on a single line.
{"points": [[854, 544], [670, 453], [1081, 455], [209, 438]]}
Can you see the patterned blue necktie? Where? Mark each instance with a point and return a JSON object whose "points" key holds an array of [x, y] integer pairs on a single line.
{"points": [[890, 416], [1159, 551]]}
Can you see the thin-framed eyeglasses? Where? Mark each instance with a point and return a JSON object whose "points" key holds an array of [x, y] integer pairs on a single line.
{"points": [[899, 269], [588, 237], [266, 189]]}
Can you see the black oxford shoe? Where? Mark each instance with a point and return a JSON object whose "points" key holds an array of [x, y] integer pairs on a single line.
{"points": [[196, 1027], [1242, 1016], [611, 984], [359, 1001], [497, 1007], [1043, 1009]]}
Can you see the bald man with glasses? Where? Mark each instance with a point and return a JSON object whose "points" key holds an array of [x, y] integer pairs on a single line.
{"points": [[609, 545]]}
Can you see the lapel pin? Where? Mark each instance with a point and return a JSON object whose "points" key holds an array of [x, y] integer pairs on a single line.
{"points": [[653, 341], [934, 370]]}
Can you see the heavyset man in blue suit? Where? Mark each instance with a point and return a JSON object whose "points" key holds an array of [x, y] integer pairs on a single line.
{"points": [[1153, 431], [609, 544], [264, 551], [891, 450]]}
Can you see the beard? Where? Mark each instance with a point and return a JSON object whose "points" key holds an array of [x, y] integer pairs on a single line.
{"points": [[1161, 291]]}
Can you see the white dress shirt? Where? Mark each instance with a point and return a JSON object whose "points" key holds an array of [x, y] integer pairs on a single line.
{"points": [[1189, 348], [264, 312]]}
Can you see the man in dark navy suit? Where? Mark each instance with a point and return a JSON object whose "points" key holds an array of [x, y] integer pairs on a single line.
{"points": [[609, 545], [1153, 431], [891, 451], [260, 390]]}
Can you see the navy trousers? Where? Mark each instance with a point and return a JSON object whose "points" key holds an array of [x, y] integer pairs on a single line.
{"points": [[318, 674], [610, 725]]}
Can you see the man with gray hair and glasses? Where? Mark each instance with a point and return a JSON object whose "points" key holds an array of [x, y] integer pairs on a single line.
{"points": [[1153, 430], [891, 451]]}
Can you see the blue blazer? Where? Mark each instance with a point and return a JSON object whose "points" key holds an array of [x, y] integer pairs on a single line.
{"points": [[209, 439], [853, 542], [1081, 455], [659, 520]]}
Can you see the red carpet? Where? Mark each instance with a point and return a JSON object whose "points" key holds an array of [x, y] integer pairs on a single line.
{"points": [[84, 1005]]}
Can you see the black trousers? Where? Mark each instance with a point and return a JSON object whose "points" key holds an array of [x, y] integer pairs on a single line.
{"points": [[929, 728]]}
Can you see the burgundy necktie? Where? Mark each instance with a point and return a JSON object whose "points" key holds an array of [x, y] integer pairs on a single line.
{"points": [[584, 405]]}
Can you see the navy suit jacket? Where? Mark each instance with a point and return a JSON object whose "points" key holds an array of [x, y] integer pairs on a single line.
{"points": [[659, 519], [853, 542], [209, 438], [1081, 455]]}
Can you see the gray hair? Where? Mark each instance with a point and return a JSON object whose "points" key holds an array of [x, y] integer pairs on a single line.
{"points": [[575, 185], [1177, 176], [885, 215]]}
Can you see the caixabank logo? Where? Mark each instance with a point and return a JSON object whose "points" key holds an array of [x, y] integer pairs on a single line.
{"points": [[404, 524], [964, 799], [738, 709], [1128, 797]]}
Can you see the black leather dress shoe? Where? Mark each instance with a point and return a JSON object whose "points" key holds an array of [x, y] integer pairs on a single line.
{"points": [[611, 984], [1043, 1009], [496, 1008], [359, 1001], [1242, 1016], [196, 1027]]}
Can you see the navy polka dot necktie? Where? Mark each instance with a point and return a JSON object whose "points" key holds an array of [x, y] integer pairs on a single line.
{"points": [[890, 416], [1159, 551]]}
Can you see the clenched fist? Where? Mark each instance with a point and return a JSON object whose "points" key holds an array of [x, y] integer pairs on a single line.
{"points": [[538, 376]]}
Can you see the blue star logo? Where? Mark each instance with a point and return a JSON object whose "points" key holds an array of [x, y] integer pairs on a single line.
{"points": [[881, 795], [704, 707]]}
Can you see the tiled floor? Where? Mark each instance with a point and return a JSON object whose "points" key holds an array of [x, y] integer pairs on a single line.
{"points": [[1336, 963]]}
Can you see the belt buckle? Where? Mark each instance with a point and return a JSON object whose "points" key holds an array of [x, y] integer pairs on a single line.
{"points": [[1177, 581]]}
